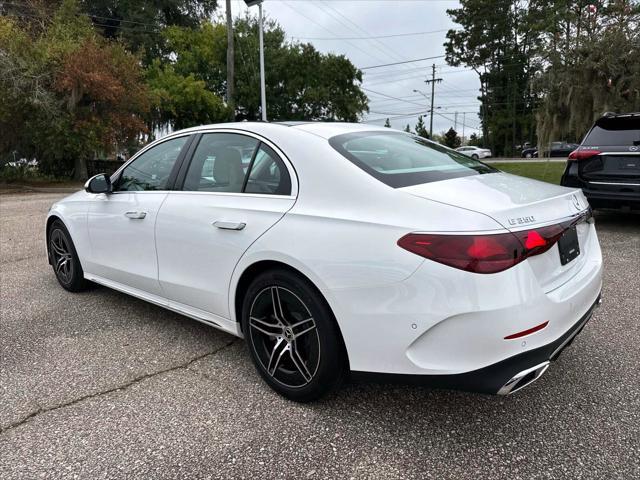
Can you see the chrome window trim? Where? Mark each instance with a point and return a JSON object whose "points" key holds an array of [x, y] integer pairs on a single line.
{"points": [[615, 183], [233, 194]]}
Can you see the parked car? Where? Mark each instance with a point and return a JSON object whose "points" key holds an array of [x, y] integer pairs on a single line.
{"points": [[606, 165], [556, 149], [341, 247], [474, 152]]}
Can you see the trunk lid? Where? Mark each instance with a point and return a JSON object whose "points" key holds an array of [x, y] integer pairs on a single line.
{"points": [[519, 203], [514, 202]]}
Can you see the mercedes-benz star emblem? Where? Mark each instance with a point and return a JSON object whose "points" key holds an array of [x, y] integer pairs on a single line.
{"points": [[576, 202]]}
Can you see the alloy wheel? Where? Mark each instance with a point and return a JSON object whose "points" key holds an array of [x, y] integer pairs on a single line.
{"points": [[62, 256], [284, 336]]}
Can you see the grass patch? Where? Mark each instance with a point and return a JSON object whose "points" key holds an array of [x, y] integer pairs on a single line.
{"points": [[545, 171]]}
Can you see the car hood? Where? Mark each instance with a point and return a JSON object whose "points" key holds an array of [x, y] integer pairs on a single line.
{"points": [[514, 202]]}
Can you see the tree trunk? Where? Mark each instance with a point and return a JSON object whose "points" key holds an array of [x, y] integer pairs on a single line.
{"points": [[80, 169]]}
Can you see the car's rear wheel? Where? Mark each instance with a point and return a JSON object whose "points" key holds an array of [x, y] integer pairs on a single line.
{"points": [[529, 155], [475, 156], [292, 336], [64, 259]]}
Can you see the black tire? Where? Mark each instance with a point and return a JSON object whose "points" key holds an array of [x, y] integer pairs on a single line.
{"points": [[528, 155], [475, 156], [64, 259], [304, 329]]}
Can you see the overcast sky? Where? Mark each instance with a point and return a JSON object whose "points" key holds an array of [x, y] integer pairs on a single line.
{"points": [[339, 25]]}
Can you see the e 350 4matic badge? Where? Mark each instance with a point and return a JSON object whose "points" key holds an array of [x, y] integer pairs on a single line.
{"points": [[522, 220]]}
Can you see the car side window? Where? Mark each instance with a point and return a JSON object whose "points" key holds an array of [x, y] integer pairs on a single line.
{"points": [[220, 163], [151, 170], [269, 174]]}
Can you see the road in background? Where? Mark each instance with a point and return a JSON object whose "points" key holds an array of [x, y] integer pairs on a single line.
{"points": [[101, 385]]}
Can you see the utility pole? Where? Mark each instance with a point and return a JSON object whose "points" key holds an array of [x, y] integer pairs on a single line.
{"points": [[230, 63], [464, 121], [455, 122], [433, 91], [263, 94]]}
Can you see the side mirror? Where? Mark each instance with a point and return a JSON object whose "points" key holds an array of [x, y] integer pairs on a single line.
{"points": [[100, 183]]}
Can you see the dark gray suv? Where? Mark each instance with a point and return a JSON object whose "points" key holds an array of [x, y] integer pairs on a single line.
{"points": [[606, 165]]}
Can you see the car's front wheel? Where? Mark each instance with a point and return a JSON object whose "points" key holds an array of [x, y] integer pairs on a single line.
{"points": [[64, 259], [292, 336], [475, 156]]}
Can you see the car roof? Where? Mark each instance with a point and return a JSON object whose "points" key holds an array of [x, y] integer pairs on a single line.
{"points": [[620, 115], [321, 129]]}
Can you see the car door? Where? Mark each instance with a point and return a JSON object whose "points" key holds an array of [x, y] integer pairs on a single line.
{"points": [[122, 224], [234, 189]]}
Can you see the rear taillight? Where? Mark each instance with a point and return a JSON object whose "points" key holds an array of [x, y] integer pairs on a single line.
{"points": [[583, 154], [482, 253]]}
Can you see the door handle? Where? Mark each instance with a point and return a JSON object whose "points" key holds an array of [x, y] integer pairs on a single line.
{"points": [[229, 225], [136, 215]]}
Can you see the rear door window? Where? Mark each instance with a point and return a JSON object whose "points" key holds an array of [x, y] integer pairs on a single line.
{"points": [[220, 163], [400, 160], [614, 131]]}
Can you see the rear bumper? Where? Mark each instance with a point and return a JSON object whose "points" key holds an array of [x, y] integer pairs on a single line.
{"points": [[443, 324], [603, 193], [502, 378], [598, 199]]}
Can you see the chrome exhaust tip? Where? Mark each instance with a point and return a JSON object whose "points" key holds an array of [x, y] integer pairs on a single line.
{"points": [[523, 378]]}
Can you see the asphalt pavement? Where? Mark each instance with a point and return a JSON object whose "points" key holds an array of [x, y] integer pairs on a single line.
{"points": [[101, 385]]}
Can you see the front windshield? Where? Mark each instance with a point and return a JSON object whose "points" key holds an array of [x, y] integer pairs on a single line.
{"points": [[401, 160]]}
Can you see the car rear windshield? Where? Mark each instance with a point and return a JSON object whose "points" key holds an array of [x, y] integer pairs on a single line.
{"points": [[401, 160], [615, 131]]}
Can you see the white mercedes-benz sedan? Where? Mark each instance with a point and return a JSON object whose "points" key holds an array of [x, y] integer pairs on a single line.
{"points": [[474, 152], [336, 248]]}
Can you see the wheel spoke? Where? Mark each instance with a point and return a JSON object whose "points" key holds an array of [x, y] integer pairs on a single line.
{"points": [[306, 325], [278, 351], [61, 262], [262, 326], [277, 305], [300, 365], [58, 249]]}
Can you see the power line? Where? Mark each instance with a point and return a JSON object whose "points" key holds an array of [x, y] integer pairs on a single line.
{"points": [[302, 14], [372, 120], [477, 127], [389, 51], [415, 69], [390, 96], [400, 63], [395, 35]]}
